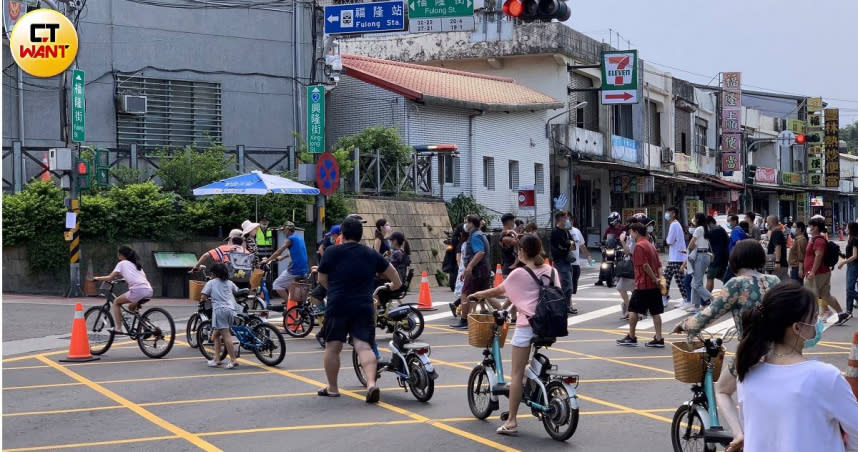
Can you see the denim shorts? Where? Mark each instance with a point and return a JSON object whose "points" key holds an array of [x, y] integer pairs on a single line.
{"points": [[222, 318]]}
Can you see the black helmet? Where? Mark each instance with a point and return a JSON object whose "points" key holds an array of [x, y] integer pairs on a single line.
{"points": [[613, 218]]}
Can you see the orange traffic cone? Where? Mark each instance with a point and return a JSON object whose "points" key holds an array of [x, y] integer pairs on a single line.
{"points": [[852, 370], [424, 298], [498, 276], [46, 173], [79, 345]]}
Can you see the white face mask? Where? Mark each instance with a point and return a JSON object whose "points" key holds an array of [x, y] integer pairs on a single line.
{"points": [[667, 217], [650, 229]]}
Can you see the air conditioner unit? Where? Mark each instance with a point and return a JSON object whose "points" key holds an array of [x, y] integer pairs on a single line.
{"points": [[132, 105], [666, 155]]}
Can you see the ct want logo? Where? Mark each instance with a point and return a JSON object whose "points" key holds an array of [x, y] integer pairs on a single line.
{"points": [[43, 43]]}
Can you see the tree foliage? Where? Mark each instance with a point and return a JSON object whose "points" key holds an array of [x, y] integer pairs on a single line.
{"points": [[36, 210], [463, 205], [849, 134], [189, 168]]}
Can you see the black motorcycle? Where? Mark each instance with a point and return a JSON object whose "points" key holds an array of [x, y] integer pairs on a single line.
{"points": [[612, 253]]}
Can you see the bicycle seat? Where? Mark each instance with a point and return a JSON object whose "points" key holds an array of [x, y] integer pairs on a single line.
{"points": [[142, 301], [540, 341], [399, 313], [243, 292]]}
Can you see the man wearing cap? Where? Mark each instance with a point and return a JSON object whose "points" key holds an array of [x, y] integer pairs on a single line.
{"points": [[329, 240], [298, 268], [219, 254]]}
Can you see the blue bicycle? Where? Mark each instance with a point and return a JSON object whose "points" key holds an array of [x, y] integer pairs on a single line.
{"points": [[695, 425], [549, 393], [252, 333]]}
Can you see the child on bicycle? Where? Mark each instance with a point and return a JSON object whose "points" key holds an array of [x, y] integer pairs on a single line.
{"points": [[129, 269], [221, 291]]}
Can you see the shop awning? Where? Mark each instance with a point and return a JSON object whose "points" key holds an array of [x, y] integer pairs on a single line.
{"points": [[679, 178], [721, 183], [610, 166]]}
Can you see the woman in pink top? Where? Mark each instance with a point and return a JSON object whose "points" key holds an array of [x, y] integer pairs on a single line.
{"points": [[131, 271], [523, 292]]}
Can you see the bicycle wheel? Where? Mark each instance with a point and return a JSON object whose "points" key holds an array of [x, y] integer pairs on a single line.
{"points": [[204, 339], [297, 322], [358, 369], [156, 333], [191, 329], [413, 324], [686, 431], [479, 392], [561, 420], [99, 324], [422, 386], [258, 305], [273, 348]]}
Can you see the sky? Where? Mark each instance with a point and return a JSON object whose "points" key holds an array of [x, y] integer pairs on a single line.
{"points": [[791, 46]]}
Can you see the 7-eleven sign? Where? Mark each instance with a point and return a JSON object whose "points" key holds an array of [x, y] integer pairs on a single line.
{"points": [[620, 77]]}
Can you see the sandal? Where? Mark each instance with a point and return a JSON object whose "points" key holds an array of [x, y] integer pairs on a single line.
{"points": [[373, 394], [509, 431], [324, 393]]}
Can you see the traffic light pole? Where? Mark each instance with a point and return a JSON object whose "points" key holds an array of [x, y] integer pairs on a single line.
{"points": [[748, 145]]}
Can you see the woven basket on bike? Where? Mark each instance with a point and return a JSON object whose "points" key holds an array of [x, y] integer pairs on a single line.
{"points": [[256, 278], [299, 291], [481, 330], [195, 289], [689, 364]]}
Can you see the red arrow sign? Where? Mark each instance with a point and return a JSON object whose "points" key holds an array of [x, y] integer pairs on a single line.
{"points": [[623, 96]]}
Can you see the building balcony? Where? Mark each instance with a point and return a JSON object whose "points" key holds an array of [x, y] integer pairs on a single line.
{"points": [[525, 39], [579, 140]]}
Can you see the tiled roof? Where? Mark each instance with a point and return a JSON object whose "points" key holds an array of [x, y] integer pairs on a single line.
{"points": [[433, 85]]}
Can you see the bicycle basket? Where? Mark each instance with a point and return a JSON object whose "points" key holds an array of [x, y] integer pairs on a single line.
{"points": [[481, 330], [689, 365], [299, 291], [195, 289], [256, 278]]}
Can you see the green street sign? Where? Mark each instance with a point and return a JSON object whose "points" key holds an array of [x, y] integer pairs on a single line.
{"points": [[316, 119], [619, 77], [78, 107], [421, 9]]}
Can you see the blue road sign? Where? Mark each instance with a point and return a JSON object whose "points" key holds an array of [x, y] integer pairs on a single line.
{"points": [[365, 17]]}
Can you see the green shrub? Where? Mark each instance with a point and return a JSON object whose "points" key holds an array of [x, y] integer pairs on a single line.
{"points": [[98, 218], [36, 210], [213, 214], [463, 205], [50, 253], [184, 170], [143, 211]]}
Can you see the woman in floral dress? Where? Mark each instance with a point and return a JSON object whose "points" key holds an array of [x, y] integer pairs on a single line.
{"points": [[741, 293]]}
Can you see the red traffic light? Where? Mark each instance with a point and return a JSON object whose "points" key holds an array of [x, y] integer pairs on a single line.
{"points": [[513, 8], [82, 168], [800, 138]]}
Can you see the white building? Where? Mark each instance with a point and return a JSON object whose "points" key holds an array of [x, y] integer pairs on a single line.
{"points": [[497, 124]]}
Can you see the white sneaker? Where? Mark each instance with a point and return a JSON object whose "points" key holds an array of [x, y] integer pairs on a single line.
{"points": [[691, 308], [665, 300], [683, 305], [230, 365], [213, 363]]}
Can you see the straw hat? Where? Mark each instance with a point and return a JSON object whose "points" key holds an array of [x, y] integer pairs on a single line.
{"points": [[247, 226]]}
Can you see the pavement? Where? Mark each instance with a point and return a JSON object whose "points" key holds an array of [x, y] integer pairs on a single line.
{"points": [[126, 401]]}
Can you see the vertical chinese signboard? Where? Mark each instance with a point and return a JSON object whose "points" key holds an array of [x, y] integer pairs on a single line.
{"points": [[731, 122], [316, 119], [78, 107], [831, 143], [801, 200]]}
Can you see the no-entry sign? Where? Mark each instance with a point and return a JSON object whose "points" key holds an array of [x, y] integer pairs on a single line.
{"points": [[327, 174]]}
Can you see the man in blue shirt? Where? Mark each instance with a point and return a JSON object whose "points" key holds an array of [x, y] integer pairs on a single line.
{"points": [[298, 267], [738, 232], [477, 275]]}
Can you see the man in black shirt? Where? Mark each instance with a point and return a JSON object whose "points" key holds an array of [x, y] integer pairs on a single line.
{"points": [[777, 247], [719, 243], [560, 248], [348, 272], [509, 244]]}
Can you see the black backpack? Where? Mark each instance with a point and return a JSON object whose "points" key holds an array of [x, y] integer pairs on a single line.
{"points": [[832, 253], [550, 317]]}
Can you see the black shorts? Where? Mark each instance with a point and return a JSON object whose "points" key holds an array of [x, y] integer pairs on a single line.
{"points": [[474, 285], [644, 300], [716, 271], [361, 327], [319, 293]]}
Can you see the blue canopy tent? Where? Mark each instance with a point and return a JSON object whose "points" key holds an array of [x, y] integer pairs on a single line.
{"points": [[255, 183]]}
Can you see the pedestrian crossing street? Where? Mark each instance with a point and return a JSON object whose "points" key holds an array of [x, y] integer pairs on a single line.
{"points": [[599, 307]]}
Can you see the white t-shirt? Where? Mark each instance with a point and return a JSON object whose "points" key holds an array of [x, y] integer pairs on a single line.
{"points": [[576, 236], [797, 408], [133, 277], [701, 241], [676, 243]]}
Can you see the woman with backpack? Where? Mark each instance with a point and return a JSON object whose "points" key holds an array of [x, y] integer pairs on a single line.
{"points": [[522, 289], [817, 267]]}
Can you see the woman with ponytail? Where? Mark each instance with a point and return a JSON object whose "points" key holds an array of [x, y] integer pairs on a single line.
{"points": [[790, 403], [129, 269]]}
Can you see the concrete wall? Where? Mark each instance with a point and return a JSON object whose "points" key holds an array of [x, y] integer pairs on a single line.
{"points": [[99, 259], [423, 222], [258, 111]]}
